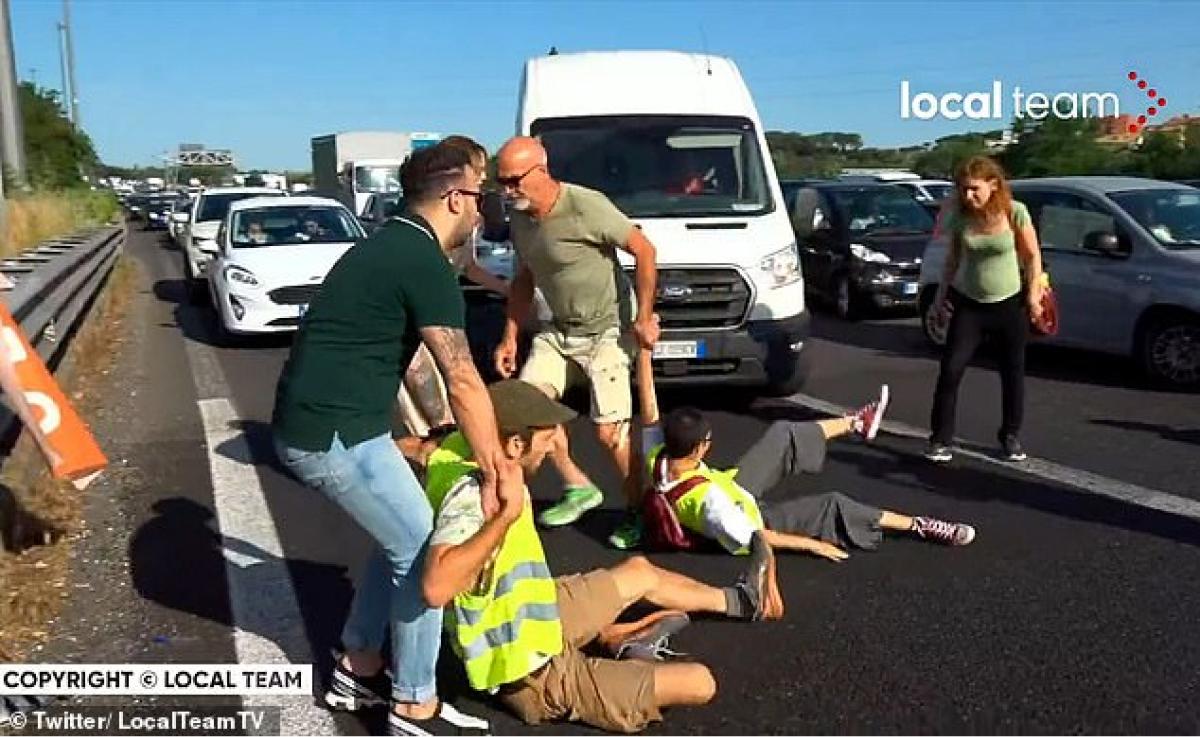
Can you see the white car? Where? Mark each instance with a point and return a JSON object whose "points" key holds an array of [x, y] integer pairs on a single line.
{"points": [[199, 243], [272, 256]]}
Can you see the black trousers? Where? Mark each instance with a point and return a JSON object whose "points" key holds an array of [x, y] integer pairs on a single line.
{"points": [[1006, 324]]}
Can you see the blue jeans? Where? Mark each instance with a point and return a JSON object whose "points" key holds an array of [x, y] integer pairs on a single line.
{"points": [[376, 487]]}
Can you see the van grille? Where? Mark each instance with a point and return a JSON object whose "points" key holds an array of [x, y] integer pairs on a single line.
{"points": [[701, 298]]}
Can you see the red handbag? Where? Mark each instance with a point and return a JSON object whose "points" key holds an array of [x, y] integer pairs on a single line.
{"points": [[1047, 324], [661, 525]]}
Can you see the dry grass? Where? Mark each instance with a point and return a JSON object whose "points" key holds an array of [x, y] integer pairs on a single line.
{"points": [[38, 217], [33, 573]]}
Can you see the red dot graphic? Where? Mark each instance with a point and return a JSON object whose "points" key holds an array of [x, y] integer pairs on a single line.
{"points": [[1132, 128], [1152, 111], [1142, 84], [1162, 102], [1141, 120], [1133, 75], [1152, 92]]}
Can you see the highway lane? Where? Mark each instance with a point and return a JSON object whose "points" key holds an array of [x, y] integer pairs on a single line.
{"points": [[1069, 613]]}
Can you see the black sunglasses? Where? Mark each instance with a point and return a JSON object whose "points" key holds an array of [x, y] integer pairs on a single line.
{"points": [[477, 194], [515, 182]]}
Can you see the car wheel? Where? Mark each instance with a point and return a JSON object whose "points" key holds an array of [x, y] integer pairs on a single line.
{"points": [[843, 299], [931, 327], [1170, 351]]}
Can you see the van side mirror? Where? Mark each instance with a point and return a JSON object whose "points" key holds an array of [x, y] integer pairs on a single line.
{"points": [[1102, 242]]}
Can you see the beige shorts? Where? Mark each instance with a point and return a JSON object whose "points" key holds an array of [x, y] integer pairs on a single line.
{"points": [[602, 361], [615, 695]]}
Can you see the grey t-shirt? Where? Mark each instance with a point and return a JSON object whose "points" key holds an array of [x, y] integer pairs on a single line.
{"points": [[572, 252]]}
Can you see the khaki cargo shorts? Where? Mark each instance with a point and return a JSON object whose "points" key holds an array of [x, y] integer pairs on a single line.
{"points": [[602, 361], [615, 695]]}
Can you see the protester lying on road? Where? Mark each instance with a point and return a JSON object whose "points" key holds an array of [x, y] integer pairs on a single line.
{"points": [[730, 511], [519, 631]]}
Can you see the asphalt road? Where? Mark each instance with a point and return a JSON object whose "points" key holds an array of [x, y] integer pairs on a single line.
{"points": [[1070, 613]]}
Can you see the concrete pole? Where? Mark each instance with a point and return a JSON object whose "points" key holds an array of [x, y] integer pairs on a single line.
{"points": [[12, 133], [71, 67], [62, 68]]}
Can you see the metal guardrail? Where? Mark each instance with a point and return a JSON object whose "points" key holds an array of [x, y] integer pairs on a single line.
{"points": [[55, 284]]}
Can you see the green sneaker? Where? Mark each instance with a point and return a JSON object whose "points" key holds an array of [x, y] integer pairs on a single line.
{"points": [[628, 534], [571, 507]]}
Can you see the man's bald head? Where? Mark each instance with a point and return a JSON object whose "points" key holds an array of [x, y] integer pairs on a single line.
{"points": [[521, 152], [523, 170]]}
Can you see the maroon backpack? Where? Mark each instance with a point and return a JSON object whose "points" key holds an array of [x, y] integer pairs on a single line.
{"points": [[661, 524]]}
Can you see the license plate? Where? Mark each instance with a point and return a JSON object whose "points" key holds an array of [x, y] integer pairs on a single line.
{"points": [[679, 349], [911, 288]]}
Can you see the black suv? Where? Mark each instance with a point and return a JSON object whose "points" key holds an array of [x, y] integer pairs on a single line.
{"points": [[860, 244]]}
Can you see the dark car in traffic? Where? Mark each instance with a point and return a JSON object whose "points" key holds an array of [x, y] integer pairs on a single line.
{"points": [[860, 244], [157, 208]]}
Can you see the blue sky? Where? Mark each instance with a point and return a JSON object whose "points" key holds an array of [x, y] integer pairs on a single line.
{"points": [[263, 76]]}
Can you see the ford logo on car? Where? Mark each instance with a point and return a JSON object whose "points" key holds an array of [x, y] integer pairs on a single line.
{"points": [[675, 292]]}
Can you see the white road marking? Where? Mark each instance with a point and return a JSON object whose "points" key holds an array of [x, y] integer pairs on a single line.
{"points": [[268, 628], [1086, 481]]}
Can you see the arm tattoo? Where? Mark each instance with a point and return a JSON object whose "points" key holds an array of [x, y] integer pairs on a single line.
{"points": [[422, 383], [449, 346]]}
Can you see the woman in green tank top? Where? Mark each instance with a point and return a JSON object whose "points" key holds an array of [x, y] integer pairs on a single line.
{"points": [[991, 285]]}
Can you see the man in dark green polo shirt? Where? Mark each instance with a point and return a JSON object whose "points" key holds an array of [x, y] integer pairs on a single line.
{"points": [[332, 423]]}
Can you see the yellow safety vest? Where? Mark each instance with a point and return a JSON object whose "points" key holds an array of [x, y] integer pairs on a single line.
{"points": [[689, 507], [507, 631]]}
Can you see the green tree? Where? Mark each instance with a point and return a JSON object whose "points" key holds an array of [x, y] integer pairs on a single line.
{"points": [[56, 154], [1058, 147], [947, 153]]}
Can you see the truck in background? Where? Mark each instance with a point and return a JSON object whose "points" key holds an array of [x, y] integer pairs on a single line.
{"points": [[352, 165]]}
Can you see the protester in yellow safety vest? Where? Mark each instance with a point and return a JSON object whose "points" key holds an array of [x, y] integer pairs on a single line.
{"points": [[730, 511], [518, 630]]}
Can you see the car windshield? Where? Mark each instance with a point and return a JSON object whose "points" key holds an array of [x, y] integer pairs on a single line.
{"points": [[216, 206], [938, 191], [377, 178], [881, 210], [293, 225], [1171, 215], [662, 166]]}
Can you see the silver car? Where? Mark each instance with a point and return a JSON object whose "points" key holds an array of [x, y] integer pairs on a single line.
{"points": [[1123, 256]]}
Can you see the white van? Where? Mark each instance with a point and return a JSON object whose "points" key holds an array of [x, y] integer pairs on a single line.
{"points": [[675, 142]]}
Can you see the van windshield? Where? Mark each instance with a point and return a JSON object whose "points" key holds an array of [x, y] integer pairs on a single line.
{"points": [[662, 166], [1171, 215]]}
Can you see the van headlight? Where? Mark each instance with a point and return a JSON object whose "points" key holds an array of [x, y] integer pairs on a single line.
{"points": [[238, 275], [782, 266], [868, 255]]}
